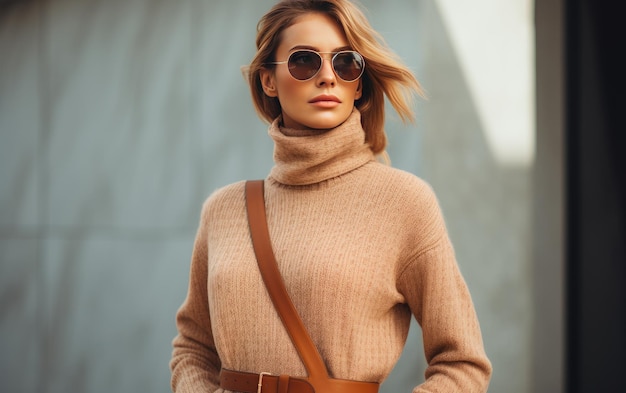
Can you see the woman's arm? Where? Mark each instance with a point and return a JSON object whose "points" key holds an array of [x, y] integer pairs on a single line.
{"points": [[440, 301], [195, 364]]}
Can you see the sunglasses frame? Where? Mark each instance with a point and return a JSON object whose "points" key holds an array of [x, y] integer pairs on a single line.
{"points": [[319, 54]]}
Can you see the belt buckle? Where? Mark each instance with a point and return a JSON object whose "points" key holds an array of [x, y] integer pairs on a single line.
{"points": [[260, 384]]}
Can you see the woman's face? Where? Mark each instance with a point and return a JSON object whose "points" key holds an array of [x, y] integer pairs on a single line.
{"points": [[324, 101]]}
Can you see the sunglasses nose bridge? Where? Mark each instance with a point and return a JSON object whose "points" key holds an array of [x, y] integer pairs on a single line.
{"points": [[326, 65]]}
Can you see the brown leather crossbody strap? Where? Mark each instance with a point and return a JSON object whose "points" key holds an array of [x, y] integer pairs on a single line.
{"points": [[318, 378], [255, 205]]}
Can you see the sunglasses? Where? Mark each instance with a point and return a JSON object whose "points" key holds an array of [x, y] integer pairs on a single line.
{"points": [[304, 64]]}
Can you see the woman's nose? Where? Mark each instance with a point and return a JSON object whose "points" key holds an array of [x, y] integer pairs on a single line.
{"points": [[326, 75]]}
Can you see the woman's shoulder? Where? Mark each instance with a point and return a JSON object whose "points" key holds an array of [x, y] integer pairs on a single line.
{"points": [[410, 203], [400, 182], [225, 197]]}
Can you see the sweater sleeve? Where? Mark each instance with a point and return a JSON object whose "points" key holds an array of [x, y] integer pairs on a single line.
{"points": [[440, 301], [195, 364]]}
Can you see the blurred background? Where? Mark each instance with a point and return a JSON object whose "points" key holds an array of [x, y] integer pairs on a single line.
{"points": [[118, 118]]}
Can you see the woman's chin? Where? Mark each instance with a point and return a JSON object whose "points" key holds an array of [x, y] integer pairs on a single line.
{"points": [[321, 121], [325, 124]]}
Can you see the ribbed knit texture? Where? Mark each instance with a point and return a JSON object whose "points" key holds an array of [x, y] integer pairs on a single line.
{"points": [[361, 247]]}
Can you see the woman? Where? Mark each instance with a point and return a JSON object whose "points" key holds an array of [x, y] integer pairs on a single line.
{"points": [[361, 246]]}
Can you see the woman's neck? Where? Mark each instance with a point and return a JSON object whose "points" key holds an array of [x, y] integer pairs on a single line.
{"points": [[306, 156]]}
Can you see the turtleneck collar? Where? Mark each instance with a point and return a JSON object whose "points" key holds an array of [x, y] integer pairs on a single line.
{"points": [[304, 157]]}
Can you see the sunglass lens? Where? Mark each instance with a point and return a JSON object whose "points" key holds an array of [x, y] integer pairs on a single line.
{"points": [[348, 65], [304, 65]]}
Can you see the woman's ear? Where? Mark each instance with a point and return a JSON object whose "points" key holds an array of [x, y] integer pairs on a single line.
{"points": [[267, 81]]}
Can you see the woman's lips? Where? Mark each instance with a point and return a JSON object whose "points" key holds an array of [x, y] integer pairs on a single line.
{"points": [[325, 101]]}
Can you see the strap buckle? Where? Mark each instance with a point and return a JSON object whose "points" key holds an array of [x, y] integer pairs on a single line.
{"points": [[260, 384]]}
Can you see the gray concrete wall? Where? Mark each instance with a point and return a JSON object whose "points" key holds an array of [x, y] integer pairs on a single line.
{"points": [[117, 119]]}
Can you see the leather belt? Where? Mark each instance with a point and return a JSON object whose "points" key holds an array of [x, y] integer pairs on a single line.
{"points": [[263, 383], [238, 381]]}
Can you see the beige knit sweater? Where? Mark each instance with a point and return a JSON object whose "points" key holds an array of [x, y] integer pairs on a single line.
{"points": [[361, 247]]}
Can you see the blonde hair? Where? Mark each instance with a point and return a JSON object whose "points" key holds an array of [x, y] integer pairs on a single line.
{"points": [[385, 74]]}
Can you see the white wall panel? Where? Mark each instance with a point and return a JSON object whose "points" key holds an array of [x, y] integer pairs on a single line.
{"points": [[119, 139], [108, 310], [20, 119], [21, 332]]}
